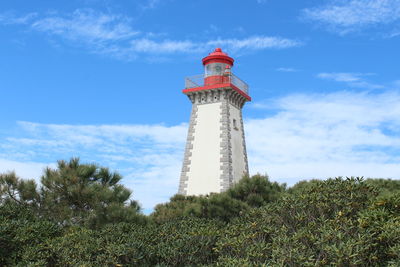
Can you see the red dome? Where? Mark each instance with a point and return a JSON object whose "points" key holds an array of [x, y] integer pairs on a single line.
{"points": [[218, 56]]}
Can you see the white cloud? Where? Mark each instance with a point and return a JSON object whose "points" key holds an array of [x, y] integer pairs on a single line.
{"points": [[167, 46], [286, 69], [117, 133], [352, 79], [148, 156], [252, 43], [326, 135], [113, 35], [26, 170], [394, 33], [341, 76], [150, 4], [307, 136], [346, 16], [256, 42], [87, 24], [9, 18]]}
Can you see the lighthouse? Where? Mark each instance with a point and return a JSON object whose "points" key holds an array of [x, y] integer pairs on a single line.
{"points": [[215, 154]]}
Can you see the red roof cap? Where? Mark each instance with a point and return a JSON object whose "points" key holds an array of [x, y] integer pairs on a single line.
{"points": [[218, 56]]}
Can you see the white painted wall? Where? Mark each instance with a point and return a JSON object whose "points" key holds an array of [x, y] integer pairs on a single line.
{"points": [[238, 161], [204, 170]]}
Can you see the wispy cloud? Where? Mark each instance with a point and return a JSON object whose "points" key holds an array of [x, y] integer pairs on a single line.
{"points": [[287, 69], [26, 169], [346, 16], [166, 46], [323, 135], [341, 76], [256, 42], [150, 4], [170, 46], [351, 79], [318, 135], [87, 24], [9, 18], [149, 156], [113, 35]]}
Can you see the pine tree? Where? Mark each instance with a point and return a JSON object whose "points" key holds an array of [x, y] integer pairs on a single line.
{"points": [[74, 194]]}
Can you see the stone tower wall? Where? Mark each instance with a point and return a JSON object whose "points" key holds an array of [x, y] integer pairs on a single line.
{"points": [[215, 154]]}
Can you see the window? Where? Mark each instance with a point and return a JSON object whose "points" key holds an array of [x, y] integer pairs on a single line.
{"points": [[235, 125], [215, 69]]}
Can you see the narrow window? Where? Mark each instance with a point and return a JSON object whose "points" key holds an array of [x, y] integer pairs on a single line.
{"points": [[235, 125]]}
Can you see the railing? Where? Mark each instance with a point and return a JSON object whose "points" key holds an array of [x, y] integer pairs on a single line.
{"points": [[194, 81], [201, 80]]}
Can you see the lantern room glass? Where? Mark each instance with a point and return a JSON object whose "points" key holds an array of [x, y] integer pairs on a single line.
{"points": [[215, 69]]}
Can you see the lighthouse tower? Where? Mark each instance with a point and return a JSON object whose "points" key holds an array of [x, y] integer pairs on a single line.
{"points": [[215, 154]]}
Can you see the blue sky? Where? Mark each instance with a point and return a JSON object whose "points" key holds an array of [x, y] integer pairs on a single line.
{"points": [[102, 80]]}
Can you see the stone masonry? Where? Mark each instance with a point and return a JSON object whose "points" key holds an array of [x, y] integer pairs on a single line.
{"points": [[227, 97]]}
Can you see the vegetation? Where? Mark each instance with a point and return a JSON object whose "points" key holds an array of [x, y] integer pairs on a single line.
{"points": [[82, 216], [73, 194], [249, 193]]}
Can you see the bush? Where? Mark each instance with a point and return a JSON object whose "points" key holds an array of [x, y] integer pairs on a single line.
{"points": [[256, 191], [177, 243], [384, 186], [177, 208], [337, 222], [248, 192], [20, 230]]}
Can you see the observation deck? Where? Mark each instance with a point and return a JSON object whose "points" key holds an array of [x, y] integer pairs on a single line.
{"points": [[204, 82]]}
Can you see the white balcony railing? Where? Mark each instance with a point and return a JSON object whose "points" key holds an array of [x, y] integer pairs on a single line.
{"points": [[198, 81]]}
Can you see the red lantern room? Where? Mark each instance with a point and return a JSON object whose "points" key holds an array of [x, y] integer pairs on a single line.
{"points": [[215, 65], [217, 74]]}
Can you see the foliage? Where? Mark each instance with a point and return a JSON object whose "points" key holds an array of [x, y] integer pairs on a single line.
{"points": [[384, 186], [248, 192], [256, 191], [303, 185], [177, 207], [19, 191], [81, 216], [176, 243], [20, 229], [74, 194], [337, 222]]}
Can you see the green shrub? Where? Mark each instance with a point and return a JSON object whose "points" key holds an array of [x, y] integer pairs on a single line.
{"points": [[187, 242], [337, 222], [256, 191], [248, 192], [176, 208], [384, 186], [20, 229], [176, 243]]}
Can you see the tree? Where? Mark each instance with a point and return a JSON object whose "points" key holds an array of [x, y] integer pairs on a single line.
{"points": [[254, 191], [15, 190], [257, 190], [74, 194]]}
